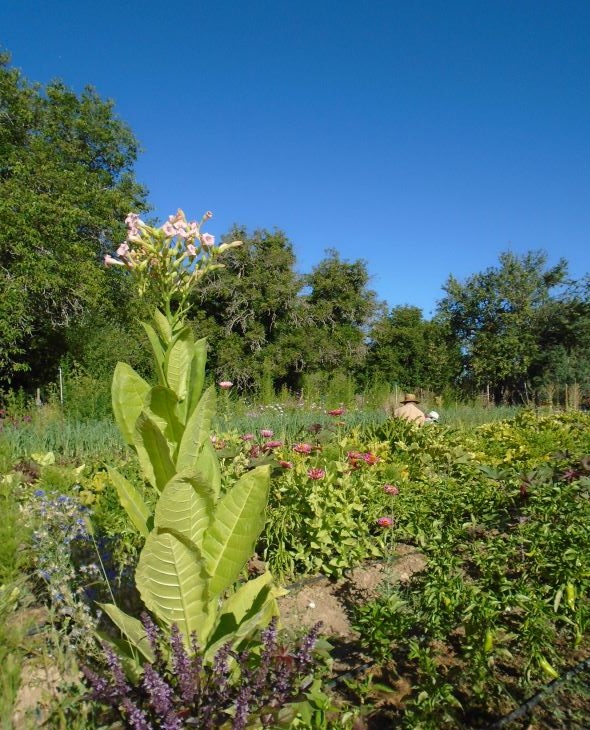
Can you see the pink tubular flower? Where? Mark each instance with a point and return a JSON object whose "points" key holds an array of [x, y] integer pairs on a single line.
{"points": [[208, 214], [110, 261], [247, 436], [385, 522], [225, 384], [286, 464], [207, 239], [192, 251], [336, 412], [169, 229], [302, 448], [390, 489], [266, 433], [315, 473], [123, 250]]}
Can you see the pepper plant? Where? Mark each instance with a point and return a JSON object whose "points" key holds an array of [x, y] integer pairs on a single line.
{"points": [[197, 539]]}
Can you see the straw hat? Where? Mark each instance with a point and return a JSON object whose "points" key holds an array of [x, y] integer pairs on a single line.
{"points": [[409, 398]]}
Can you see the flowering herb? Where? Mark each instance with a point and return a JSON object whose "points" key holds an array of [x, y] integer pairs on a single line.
{"points": [[315, 473], [181, 691]]}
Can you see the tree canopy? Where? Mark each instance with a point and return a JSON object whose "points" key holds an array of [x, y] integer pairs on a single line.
{"points": [[66, 183]]}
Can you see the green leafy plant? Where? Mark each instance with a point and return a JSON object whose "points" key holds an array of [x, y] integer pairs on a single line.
{"points": [[197, 537]]}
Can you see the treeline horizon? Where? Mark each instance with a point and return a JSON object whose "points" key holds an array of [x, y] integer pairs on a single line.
{"points": [[67, 182]]}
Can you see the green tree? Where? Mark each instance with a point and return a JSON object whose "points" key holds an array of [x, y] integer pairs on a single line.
{"points": [[495, 316], [66, 184], [408, 350], [250, 310], [342, 309]]}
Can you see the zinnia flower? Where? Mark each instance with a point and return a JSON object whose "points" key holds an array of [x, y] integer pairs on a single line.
{"points": [[390, 489], [371, 459], [315, 473], [302, 448], [273, 444], [385, 522]]}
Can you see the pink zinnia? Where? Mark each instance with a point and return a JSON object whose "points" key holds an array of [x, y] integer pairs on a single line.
{"points": [[247, 436], [371, 459], [390, 489], [336, 412], [385, 522], [302, 448], [266, 433], [273, 444], [315, 473], [225, 384], [286, 464]]}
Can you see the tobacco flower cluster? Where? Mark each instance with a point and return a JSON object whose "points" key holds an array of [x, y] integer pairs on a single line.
{"points": [[168, 262]]}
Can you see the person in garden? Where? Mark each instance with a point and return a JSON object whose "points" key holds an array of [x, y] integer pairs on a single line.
{"points": [[432, 417], [409, 410]]}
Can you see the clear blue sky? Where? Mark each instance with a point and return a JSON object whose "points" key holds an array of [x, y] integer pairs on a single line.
{"points": [[425, 137]]}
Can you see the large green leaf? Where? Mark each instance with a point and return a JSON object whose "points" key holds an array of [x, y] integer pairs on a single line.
{"points": [[131, 628], [185, 507], [163, 327], [237, 523], [153, 452], [131, 501], [161, 404], [245, 611], [172, 581], [177, 362], [196, 378], [128, 392], [208, 467], [157, 349], [197, 431]]}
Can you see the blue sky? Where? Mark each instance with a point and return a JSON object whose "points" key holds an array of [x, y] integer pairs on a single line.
{"points": [[424, 137]]}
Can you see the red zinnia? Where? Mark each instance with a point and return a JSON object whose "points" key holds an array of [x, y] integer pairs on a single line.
{"points": [[336, 412], [385, 522]]}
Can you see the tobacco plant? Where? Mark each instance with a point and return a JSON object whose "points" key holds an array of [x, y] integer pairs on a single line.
{"points": [[197, 537]]}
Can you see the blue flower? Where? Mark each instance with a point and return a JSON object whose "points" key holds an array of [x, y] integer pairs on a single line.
{"points": [[39, 493]]}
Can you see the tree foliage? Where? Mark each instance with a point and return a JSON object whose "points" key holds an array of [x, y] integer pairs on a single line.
{"points": [[497, 317], [66, 183]]}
